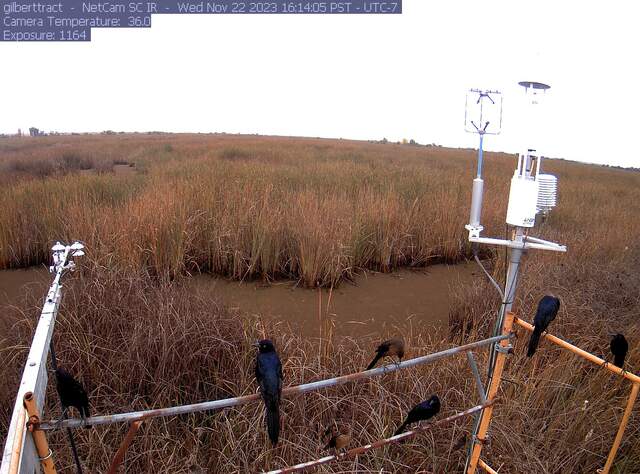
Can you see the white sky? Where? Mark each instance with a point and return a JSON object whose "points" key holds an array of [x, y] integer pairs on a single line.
{"points": [[351, 76]]}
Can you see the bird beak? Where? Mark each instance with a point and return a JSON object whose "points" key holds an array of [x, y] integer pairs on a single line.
{"points": [[611, 334], [256, 344]]}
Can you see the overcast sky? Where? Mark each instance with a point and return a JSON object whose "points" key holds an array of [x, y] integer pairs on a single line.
{"points": [[362, 77]]}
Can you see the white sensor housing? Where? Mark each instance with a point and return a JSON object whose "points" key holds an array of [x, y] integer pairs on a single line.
{"points": [[523, 198], [547, 192]]}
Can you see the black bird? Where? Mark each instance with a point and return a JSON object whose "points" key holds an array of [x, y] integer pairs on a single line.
{"points": [[392, 347], [619, 347], [422, 411], [72, 393], [547, 310], [269, 377]]}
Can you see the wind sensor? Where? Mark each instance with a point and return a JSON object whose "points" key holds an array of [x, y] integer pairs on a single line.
{"points": [[62, 256], [483, 115]]}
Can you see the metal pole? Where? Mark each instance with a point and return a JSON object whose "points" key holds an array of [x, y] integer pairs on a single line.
{"points": [[477, 190], [623, 425], [230, 402], [39, 438], [480, 155], [480, 438], [486, 467], [581, 353], [476, 376], [122, 450], [383, 442], [34, 376], [16, 449], [509, 293]]}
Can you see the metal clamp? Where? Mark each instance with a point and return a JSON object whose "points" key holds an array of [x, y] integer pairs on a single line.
{"points": [[33, 423], [508, 349], [47, 456], [477, 440]]}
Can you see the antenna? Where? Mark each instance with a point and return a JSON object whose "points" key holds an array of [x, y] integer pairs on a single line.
{"points": [[482, 115]]}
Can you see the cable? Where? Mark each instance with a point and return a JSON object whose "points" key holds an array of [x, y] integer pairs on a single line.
{"points": [[493, 282]]}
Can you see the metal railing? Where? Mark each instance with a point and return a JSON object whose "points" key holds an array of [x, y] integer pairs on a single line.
{"points": [[289, 391]]}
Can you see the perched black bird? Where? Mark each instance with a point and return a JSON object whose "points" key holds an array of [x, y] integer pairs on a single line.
{"points": [[619, 347], [422, 411], [269, 377], [547, 310], [72, 393], [392, 347]]}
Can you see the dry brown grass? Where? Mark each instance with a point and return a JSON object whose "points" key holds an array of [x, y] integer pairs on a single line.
{"points": [[311, 210], [317, 211]]}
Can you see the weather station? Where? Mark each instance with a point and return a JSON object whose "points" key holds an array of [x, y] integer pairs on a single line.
{"points": [[532, 194]]}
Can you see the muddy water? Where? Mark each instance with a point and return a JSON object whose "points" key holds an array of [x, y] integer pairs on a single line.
{"points": [[121, 169], [16, 285], [373, 305]]}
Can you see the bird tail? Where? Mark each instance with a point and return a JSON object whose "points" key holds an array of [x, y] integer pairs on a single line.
{"points": [[374, 361], [533, 342], [273, 421], [618, 360], [401, 429]]}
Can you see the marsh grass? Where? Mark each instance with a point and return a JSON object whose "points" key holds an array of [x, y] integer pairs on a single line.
{"points": [[140, 343], [316, 211], [311, 210]]}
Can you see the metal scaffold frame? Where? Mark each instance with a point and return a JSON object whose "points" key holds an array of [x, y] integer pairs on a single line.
{"points": [[26, 443], [27, 451], [17, 457]]}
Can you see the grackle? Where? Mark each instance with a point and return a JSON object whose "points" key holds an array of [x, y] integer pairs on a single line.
{"points": [[339, 440], [392, 347], [547, 310], [72, 393], [619, 347], [269, 377], [422, 411]]}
